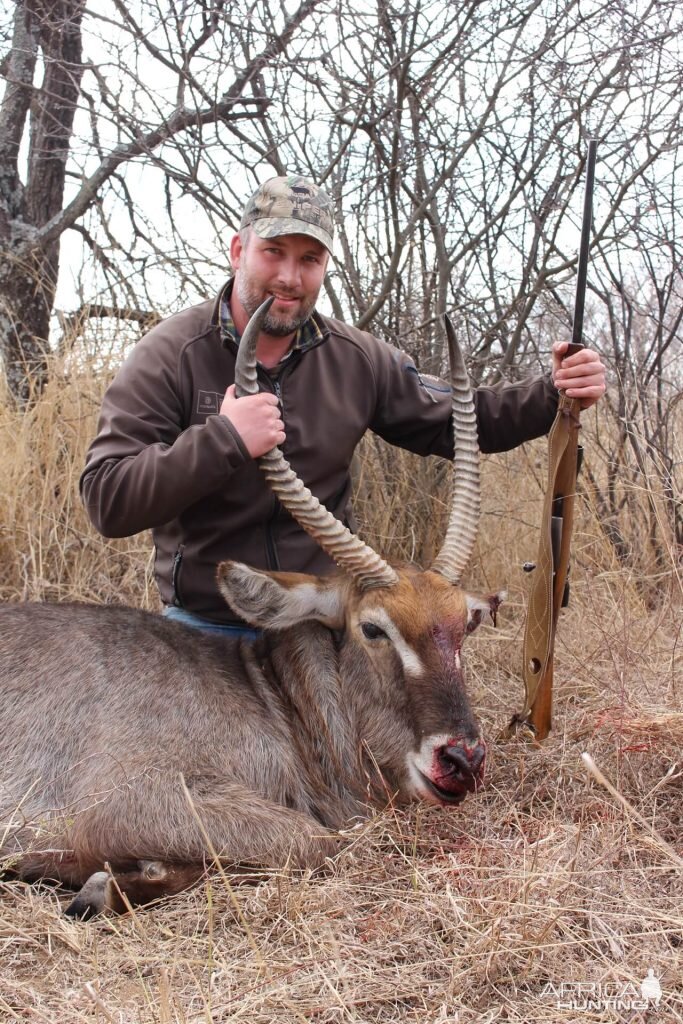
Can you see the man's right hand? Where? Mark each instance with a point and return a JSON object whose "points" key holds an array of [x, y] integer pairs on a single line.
{"points": [[257, 420]]}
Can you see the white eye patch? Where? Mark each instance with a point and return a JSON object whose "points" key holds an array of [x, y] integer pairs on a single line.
{"points": [[412, 666]]}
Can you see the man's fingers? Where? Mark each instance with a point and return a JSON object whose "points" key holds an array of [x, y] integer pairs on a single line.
{"points": [[256, 418], [573, 369], [586, 390], [262, 398], [580, 376], [579, 382]]}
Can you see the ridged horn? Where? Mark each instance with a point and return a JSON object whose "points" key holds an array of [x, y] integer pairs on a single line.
{"points": [[347, 550], [461, 534]]}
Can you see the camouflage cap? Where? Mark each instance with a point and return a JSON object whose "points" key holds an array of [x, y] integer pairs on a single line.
{"points": [[290, 205]]}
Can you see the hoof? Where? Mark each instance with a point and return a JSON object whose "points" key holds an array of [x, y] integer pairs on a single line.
{"points": [[93, 898]]}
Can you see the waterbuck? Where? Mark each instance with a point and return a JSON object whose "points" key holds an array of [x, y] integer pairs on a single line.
{"points": [[133, 750]]}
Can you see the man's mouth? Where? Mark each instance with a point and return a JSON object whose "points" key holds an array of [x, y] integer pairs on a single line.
{"points": [[286, 300]]}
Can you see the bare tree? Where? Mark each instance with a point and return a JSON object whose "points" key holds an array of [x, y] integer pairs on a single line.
{"points": [[162, 88], [451, 135], [637, 312]]}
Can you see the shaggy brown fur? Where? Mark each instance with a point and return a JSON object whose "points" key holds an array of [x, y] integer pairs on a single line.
{"points": [[130, 741]]}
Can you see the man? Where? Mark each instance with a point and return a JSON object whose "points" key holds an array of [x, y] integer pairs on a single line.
{"points": [[175, 449]]}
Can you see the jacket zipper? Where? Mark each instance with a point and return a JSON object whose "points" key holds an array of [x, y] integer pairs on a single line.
{"points": [[175, 572]]}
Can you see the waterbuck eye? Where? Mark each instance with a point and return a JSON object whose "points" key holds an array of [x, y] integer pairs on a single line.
{"points": [[371, 631]]}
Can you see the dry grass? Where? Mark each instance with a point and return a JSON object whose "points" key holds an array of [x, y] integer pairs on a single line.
{"points": [[427, 916], [48, 549]]}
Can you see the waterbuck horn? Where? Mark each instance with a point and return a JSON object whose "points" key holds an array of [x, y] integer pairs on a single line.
{"points": [[347, 550], [466, 501]]}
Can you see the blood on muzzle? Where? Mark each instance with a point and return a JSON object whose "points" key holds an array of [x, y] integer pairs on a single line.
{"points": [[464, 761]]}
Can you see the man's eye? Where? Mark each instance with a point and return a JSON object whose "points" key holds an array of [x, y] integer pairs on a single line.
{"points": [[371, 631]]}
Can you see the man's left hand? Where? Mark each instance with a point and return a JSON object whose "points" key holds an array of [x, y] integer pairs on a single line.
{"points": [[581, 376]]}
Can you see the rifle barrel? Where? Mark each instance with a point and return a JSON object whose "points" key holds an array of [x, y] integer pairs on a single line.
{"points": [[577, 330]]}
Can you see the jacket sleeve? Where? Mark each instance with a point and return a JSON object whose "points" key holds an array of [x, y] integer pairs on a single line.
{"points": [[146, 465], [512, 412], [414, 409]]}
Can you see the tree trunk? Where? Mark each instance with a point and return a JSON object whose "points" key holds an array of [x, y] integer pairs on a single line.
{"points": [[27, 287], [28, 265]]}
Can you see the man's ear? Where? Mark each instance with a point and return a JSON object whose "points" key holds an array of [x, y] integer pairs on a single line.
{"points": [[276, 600], [236, 247], [483, 609]]}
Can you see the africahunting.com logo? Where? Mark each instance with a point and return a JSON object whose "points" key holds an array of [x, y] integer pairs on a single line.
{"points": [[605, 995]]}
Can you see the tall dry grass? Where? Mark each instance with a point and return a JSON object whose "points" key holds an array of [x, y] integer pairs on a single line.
{"points": [[478, 914], [48, 548]]}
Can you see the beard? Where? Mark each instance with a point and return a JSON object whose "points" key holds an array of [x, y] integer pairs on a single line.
{"points": [[275, 326]]}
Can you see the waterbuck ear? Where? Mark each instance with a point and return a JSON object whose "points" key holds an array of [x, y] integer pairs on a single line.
{"points": [[483, 609], [276, 600]]}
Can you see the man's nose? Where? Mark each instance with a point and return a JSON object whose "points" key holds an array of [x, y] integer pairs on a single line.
{"points": [[289, 274]]}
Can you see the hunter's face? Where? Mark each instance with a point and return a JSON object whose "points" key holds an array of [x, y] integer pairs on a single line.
{"points": [[289, 267]]}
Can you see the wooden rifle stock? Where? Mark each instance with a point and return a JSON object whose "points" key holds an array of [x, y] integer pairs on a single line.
{"points": [[549, 591]]}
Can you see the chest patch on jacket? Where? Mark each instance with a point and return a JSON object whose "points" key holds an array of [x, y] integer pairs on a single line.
{"points": [[208, 403]]}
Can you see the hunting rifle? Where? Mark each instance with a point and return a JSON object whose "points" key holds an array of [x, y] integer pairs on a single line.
{"points": [[550, 587]]}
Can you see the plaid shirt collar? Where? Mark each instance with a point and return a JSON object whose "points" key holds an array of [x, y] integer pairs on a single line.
{"points": [[308, 335]]}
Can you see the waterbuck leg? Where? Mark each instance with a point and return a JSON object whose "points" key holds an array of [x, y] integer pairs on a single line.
{"points": [[149, 817], [152, 880], [153, 819], [58, 865]]}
